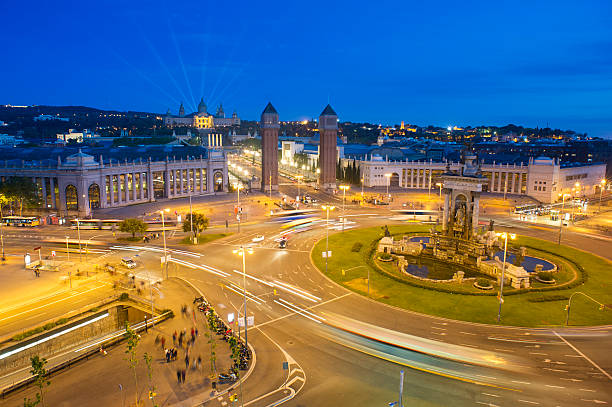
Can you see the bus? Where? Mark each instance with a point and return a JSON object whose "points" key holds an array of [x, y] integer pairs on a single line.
{"points": [[97, 224], [21, 221], [289, 216], [421, 215]]}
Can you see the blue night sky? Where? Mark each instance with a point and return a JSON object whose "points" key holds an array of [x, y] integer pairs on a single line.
{"points": [[440, 62]]}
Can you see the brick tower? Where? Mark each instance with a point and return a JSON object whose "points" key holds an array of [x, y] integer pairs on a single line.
{"points": [[328, 129], [269, 148]]}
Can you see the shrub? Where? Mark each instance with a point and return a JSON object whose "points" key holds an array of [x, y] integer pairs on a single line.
{"points": [[384, 256], [124, 297], [545, 276], [546, 298], [357, 247], [483, 282]]}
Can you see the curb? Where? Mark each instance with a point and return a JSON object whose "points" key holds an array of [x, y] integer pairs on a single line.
{"points": [[443, 318], [215, 394]]}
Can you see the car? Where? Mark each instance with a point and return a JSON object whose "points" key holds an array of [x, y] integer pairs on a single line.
{"points": [[258, 238], [128, 262], [282, 243]]}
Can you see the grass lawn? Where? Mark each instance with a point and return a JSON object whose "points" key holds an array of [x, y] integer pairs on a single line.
{"points": [[517, 309], [206, 238]]}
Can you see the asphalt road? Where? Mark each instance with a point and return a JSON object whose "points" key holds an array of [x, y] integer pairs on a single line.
{"points": [[563, 367]]}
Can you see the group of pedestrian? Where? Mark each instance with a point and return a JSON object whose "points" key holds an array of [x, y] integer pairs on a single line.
{"points": [[149, 237], [182, 340], [171, 354]]}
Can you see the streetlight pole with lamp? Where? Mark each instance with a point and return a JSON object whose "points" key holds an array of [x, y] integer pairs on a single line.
{"points": [[327, 208], [388, 176], [602, 185], [164, 237], [504, 236], [299, 178], [344, 188], [239, 212], [242, 251]]}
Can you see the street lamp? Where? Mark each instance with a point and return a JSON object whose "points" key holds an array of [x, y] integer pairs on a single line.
{"points": [[388, 176], [239, 214], [361, 188], [439, 184], [344, 188], [164, 236], [563, 196], [602, 185], [504, 236], [327, 208], [242, 251], [569, 305], [299, 178]]}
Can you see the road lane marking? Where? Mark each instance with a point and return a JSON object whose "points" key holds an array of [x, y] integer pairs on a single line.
{"points": [[554, 387], [583, 355], [72, 295], [528, 402], [492, 395], [518, 381], [294, 313]]}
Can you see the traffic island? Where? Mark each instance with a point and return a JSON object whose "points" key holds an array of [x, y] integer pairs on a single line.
{"points": [[541, 304]]}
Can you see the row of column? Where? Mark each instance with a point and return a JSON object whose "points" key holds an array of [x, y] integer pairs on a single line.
{"points": [[414, 180], [201, 172], [130, 195], [508, 181], [43, 183]]}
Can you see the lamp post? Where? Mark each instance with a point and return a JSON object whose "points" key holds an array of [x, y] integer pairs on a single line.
{"points": [[439, 184], [561, 216], [67, 249], [2, 233], [344, 188], [299, 178], [504, 236], [242, 251], [190, 217], [388, 176], [239, 212], [327, 208], [164, 237], [361, 188], [569, 305], [602, 185], [79, 235]]}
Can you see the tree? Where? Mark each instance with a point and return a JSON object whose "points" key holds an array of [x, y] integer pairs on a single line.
{"points": [[132, 343], [133, 226], [40, 380], [21, 191], [200, 223], [212, 329], [148, 361]]}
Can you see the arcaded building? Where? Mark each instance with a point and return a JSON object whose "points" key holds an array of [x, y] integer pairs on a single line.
{"points": [[72, 181]]}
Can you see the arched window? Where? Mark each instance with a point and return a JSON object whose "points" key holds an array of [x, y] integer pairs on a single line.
{"points": [[218, 181], [94, 196], [72, 198]]}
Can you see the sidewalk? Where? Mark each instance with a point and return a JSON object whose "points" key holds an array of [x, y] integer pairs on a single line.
{"points": [[98, 377]]}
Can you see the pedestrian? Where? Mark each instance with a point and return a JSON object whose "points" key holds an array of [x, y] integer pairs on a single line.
{"points": [[183, 372], [196, 332], [163, 342], [178, 375], [167, 356], [199, 361], [174, 353], [192, 332], [186, 361], [174, 338]]}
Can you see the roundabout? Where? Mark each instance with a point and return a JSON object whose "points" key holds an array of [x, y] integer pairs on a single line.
{"points": [[542, 304]]}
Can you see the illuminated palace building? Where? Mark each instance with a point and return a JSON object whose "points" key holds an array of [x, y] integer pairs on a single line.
{"points": [[78, 181], [542, 178], [201, 119]]}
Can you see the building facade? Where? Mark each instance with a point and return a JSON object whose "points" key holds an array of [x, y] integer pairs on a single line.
{"points": [[79, 183], [541, 178]]}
